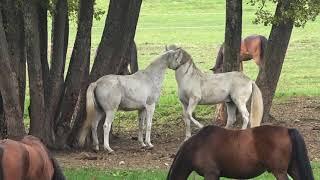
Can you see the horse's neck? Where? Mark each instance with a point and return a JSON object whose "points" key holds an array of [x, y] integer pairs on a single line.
{"points": [[156, 70], [187, 70]]}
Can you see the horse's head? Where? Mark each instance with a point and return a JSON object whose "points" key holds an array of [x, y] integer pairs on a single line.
{"points": [[176, 56]]}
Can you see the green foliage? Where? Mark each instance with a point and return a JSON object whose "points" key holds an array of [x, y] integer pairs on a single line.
{"points": [[300, 11], [73, 9]]}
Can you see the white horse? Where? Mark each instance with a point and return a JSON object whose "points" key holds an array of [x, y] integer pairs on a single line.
{"points": [[139, 91], [234, 88]]}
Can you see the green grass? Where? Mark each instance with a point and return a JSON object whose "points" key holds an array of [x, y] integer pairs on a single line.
{"points": [[90, 174]]}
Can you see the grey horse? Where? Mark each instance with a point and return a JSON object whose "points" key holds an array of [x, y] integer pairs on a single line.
{"points": [[139, 91], [234, 88]]}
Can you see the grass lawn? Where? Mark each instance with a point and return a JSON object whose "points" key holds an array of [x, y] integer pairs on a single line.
{"points": [[94, 174]]}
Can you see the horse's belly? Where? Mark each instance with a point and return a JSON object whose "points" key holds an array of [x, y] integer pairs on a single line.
{"points": [[243, 173], [214, 99], [130, 105]]}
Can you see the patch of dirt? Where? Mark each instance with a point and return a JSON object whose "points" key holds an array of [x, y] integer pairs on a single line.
{"points": [[301, 113]]}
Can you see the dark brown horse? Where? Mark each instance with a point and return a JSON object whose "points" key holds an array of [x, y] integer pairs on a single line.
{"points": [[27, 159], [216, 152], [252, 47]]}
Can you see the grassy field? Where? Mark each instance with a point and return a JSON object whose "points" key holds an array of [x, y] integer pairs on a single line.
{"points": [[94, 174]]}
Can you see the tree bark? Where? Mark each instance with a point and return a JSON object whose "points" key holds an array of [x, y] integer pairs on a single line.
{"points": [[3, 126], [58, 57], [78, 72], [43, 33], [39, 125], [134, 66], [270, 71], [9, 89], [232, 43], [13, 24]]}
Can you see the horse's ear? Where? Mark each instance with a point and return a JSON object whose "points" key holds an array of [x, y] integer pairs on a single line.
{"points": [[166, 48], [180, 56]]}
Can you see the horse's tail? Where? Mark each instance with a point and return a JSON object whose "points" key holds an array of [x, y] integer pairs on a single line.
{"points": [[1, 168], [256, 106], [91, 113], [300, 155], [58, 173], [263, 44]]}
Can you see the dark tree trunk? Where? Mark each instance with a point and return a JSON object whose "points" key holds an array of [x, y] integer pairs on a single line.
{"points": [[43, 33], [113, 53], [232, 43], [58, 57], [134, 66], [39, 125], [9, 89], [78, 72], [13, 23], [269, 74], [117, 38], [3, 126]]}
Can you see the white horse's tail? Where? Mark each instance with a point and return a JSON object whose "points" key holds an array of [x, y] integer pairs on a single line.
{"points": [[256, 106], [91, 113]]}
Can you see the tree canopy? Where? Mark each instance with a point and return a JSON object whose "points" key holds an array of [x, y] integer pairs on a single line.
{"points": [[301, 11]]}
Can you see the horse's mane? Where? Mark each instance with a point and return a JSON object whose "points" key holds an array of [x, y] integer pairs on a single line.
{"points": [[187, 58]]}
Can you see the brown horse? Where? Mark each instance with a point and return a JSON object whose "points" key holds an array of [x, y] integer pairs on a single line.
{"points": [[252, 47], [27, 159], [216, 152]]}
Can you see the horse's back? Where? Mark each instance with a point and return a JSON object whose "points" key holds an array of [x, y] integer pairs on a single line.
{"points": [[126, 92]]}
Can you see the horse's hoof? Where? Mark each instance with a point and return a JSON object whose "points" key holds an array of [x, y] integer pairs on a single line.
{"points": [[96, 149], [111, 152], [149, 147]]}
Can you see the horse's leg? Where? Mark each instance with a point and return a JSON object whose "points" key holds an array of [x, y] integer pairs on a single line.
{"points": [[141, 119], [241, 104], [186, 120], [106, 129], [191, 106], [149, 114], [231, 109], [94, 127]]}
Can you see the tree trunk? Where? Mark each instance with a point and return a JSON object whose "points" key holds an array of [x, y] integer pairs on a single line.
{"points": [[9, 89], [232, 43], [3, 126], [38, 123], [113, 53], [43, 33], [13, 24], [58, 57], [78, 72], [117, 38], [134, 66], [274, 57]]}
